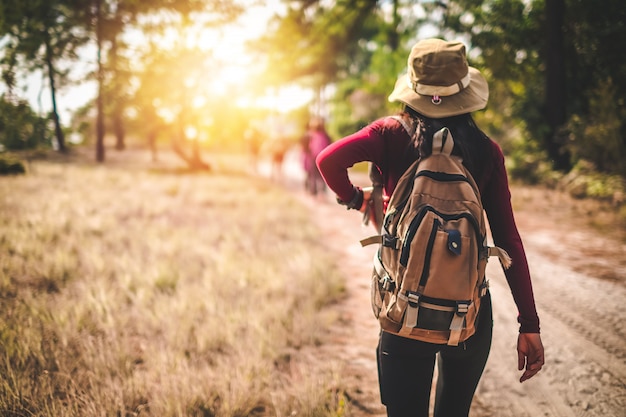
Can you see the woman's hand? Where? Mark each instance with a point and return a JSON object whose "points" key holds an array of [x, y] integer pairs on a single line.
{"points": [[529, 354], [367, 194]]}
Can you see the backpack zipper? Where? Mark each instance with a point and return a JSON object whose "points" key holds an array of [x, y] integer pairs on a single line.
{"points": [[442, 176], [429, 250]]}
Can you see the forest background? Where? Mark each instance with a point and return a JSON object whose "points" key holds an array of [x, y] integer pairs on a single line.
{"points": [[556, 78]]}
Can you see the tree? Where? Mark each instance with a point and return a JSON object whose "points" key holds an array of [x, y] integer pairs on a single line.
{"points": [[316, 45], [165, 99], [41, 33], [554, 55], [556, 95], [110, 19]]}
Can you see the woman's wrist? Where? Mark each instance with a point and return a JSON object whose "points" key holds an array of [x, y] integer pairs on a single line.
{"points": [[356, 202]]}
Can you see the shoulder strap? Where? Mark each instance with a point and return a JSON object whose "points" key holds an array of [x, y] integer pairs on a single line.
{"points": [[409, 129]]}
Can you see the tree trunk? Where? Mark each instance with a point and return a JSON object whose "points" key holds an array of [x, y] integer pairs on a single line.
{"points": [[152, 138], [194, 159], [555, 84], [100, 115], [55, 114], [118, 128], [118, 119], [393, 36]]}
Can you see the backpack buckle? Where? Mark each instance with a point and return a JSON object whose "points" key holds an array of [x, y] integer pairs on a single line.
{"points": [[413, 299], [410, 316], [388, 284], [390, 241], [482, 288], [462, 307]]}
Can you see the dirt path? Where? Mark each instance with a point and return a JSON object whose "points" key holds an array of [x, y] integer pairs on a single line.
{"points": [[582, 313]]}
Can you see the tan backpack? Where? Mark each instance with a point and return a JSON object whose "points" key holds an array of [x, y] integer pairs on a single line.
{"points": [[429, 272]]}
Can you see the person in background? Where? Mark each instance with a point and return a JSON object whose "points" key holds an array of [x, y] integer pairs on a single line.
{"points": [[313, 142], [439, 90], [253, 139]]}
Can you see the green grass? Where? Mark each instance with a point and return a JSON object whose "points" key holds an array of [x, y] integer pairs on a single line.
{"points": [[127, 290]]}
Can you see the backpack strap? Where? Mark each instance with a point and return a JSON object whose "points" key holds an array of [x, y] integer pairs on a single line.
{"points": [[458, 322], [409, 129]]}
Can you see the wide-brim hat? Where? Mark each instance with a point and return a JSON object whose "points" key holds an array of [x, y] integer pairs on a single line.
{"points": [[439, 82]]}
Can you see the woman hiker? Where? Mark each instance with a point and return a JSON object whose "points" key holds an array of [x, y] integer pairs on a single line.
{"points": [[439, 90]]}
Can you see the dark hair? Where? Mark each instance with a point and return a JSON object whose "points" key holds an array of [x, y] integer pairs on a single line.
{"points": [[470, 143]]}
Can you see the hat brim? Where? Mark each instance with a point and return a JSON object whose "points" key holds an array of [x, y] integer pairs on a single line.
{"points": [[473, 97]]}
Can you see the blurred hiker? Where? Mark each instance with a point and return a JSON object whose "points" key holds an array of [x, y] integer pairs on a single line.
{"points": [[276, 147], [438, 93], [253, 139], [313, 142]]}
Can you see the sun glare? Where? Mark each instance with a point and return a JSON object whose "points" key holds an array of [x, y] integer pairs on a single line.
{"points": [[282, 100], [231, 67]]}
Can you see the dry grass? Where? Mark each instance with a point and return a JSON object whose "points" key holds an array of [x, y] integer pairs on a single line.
{"points": [[132, 290]]}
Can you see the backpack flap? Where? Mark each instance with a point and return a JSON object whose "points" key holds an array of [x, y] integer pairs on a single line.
{"points": [[454, 241]]}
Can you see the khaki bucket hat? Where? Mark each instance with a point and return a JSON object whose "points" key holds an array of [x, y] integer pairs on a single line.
{"points": [[439, 82]]}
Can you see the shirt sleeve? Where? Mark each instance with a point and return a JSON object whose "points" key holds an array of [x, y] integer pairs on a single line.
{"points": [[497, 203], [334, 161]]}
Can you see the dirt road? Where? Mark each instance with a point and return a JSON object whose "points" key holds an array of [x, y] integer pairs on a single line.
{"points": [[579, 281]]}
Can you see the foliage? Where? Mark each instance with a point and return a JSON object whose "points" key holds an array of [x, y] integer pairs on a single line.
{"points": [[510, 36], [316, 43], [20, 127], [584, 181], [566, 112], [508, 43], [527, 163], [120, 69], [11, 165], [41, 34], [597, 136]]}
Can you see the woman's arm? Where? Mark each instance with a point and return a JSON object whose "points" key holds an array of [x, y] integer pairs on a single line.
{"points": [[334, 161], [497, 203]]}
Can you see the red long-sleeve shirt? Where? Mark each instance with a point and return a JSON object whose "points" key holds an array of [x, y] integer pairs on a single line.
{"points": [[385, 144]]}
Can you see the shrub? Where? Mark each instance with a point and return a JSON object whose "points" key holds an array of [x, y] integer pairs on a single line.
{"points": [[585, 182], [20, 127], [11, 165], [596, 137]]}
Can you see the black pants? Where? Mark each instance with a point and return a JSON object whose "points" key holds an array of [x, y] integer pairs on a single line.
{"points": [[406, 368]]}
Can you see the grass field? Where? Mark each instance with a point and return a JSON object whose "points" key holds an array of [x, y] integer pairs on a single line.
{"points": [[131, 289]]}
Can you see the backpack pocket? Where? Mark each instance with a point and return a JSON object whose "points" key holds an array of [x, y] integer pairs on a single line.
{"points": [[450, 275], [377, 294], [435, 314]]}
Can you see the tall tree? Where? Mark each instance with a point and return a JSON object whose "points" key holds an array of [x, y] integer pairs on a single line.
{"points": [[554, 56], [42, 33], [556, 98], [316, 44], [110, 21]]}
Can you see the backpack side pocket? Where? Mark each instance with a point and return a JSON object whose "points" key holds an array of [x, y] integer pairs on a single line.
{"points": [[381, 286]]}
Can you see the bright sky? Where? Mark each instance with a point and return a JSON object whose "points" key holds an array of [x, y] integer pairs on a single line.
{"points": [[226, 45]]}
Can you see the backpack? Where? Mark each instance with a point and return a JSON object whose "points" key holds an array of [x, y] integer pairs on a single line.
{"points": [[429, 271]]}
